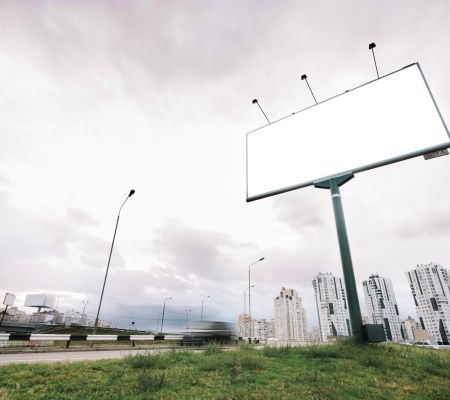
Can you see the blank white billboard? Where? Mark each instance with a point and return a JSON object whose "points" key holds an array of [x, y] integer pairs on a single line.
{"points": [[40, 300], [384, 121], [9, 299]]}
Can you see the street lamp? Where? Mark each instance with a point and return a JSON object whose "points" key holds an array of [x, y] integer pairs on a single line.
{"points": [[187, 317], [249, 294], [84, 307], [201, 318], [83, 315], [157, 322], [245, 299], [164, 309], [109, 260]]}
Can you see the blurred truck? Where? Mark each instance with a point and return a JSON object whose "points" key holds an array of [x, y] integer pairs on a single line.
{"points": [[209, 331]]}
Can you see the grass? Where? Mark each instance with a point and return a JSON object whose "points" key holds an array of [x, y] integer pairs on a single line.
{"points": [[337, 371]]}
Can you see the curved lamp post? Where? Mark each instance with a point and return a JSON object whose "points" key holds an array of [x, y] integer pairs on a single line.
{"points": [[201, 318], [187, 317], [164, 309], [109, 260], [249, 294], [245, 299]]}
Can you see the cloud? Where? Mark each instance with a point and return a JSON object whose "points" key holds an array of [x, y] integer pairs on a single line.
{"points": [[196, 254], [45, 249], [300, 212], [424, 222]]}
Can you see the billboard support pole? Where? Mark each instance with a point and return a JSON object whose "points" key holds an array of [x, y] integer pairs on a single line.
{"points": [[3, 316], [344, 247]]}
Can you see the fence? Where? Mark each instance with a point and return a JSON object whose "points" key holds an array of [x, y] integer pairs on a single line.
{"points": [[4, 337]]}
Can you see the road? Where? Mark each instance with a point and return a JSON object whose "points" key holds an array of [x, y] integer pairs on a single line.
{"points": [[68, 356]]}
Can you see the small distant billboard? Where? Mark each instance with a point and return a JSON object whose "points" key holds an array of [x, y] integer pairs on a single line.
{"points": [[40, 301], [9, 299], [381, 122]]}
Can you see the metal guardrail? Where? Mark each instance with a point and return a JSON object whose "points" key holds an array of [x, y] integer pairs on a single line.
{"points": [[4, 337]]}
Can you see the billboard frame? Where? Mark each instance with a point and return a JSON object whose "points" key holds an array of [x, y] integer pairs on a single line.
{"points": [[355, 170]]}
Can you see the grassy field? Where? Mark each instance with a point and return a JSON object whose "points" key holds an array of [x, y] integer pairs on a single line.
{"points": [[338, 371]]}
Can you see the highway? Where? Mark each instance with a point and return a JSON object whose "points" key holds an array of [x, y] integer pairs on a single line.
{"points": [[69, 356]]}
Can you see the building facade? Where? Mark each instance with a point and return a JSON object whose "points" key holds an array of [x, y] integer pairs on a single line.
{"points": [[382, 306], [244, 326], [263, 329], [290, 317], [332, 309], [431, 293], [409, 327]]}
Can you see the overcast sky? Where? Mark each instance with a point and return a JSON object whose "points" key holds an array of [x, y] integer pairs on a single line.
{"points": [[100, 97]]}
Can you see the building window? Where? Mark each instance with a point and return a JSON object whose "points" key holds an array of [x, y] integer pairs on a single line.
{"points": [[434, 304]]}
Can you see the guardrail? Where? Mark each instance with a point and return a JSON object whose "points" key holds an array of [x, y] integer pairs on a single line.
{"points": [[89, 338]]}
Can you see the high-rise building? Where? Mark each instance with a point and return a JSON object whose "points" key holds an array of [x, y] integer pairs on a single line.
{"points": [[382, 306], [314, 335], [332, 309], [243, 324], [409, 326], [431, 292], [262, 329], [290, 317]]}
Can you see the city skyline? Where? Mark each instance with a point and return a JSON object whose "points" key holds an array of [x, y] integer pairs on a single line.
{"points": [[98, 99], [369, 308]]}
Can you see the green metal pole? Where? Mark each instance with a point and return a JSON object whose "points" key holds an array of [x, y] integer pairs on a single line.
{"points": [[347, 265]]}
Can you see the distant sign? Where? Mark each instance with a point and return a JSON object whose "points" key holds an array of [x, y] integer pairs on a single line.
{"points": [[9, 299], [384, 121], [40, 300]]}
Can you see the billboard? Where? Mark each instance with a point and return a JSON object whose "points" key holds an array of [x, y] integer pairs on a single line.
{"points": [[9, 299], [40, 300], [383, 121]]}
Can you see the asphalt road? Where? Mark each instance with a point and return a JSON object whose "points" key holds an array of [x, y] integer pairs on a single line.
{"points": [[68, 356]]}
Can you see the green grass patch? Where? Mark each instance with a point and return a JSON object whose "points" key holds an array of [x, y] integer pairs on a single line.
{"points": [[336, 371]]}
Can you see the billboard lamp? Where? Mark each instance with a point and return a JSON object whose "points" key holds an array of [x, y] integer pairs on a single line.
{"points": [[371, 47], [255, 101], [305, 78]]}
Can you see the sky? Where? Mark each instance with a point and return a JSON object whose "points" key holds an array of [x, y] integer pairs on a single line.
{"points": [[101, 97]]}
